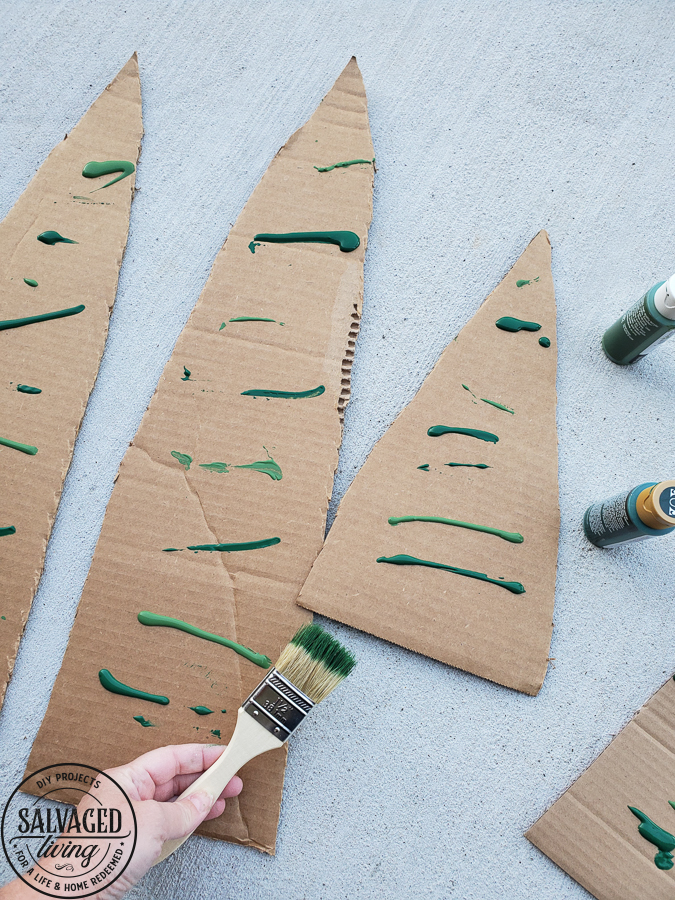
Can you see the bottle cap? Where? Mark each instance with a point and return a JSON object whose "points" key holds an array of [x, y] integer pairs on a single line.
{"points": [[664, 298], [656, 505]]}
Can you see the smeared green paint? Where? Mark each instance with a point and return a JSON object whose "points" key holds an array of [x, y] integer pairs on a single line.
{"points": [[252, 246], [224, 325], [96, 169], [43, 317], [186, 374], [512, 536], [148, 618], [287, 395], [27, 389], [183, 458], [202, 710], [424, 468], [343, 165], [498, 405], [346, 240], [522, 282], [656, 835], [215, 467], [233, 548], [216, 733], [31, 282], [515, 587], [545, 342], [8, 529], [146, 723], [508, 323], [468, 465], [53, 237], [267, 467], [438, 430], [469, 390], [110, 683], [251, 319], [15, 445]]}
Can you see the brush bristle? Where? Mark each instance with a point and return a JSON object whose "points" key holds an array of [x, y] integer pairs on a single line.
{"points": [[315, 662]]}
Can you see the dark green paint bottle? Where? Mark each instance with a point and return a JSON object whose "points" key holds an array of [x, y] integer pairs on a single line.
{"points": [[647, 323], [646, 511]]}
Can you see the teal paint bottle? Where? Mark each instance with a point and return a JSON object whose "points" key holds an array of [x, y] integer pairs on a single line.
{"points": [[647, 324], [646, 511]]}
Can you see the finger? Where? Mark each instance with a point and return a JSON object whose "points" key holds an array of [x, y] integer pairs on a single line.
{"points": [[218, 810], [180, 783], [180, 819], [161, 766]]}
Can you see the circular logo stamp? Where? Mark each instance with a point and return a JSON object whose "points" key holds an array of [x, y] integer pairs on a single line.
{"points": [[74, 836]]}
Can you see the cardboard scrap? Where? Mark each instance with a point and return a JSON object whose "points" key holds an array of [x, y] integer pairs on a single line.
{"points": [[165, 501], [61, 356], [468, 623], [590, 832]]}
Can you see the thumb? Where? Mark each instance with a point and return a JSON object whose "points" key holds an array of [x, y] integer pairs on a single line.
{"points": [[183, 816]]}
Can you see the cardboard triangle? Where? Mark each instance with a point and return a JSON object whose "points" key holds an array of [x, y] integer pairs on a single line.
{"points": [[464, 621], [591, 833], [272, 316], [59, 356]]}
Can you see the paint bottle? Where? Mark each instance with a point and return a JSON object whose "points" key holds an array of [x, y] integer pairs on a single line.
{"points": [[646, 511], [646, 324]]}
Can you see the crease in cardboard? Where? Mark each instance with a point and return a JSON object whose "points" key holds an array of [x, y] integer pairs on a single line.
{"points": [[466, 625], [318, 296]]}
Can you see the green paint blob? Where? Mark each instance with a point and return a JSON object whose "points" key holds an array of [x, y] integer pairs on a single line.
{"points": [[468, 465], [53, 237], [183, 458], [252, 246], [186, 374], [202, 710], [522, 282], [146, 723], [346, 240], [223, 710], [148, 618], [662, 839], [44, 317], [224, 325], [343, 165], [498, 406], [287, 395], [545, 342], [110, 683], [15, 445], [512, 536], [508, 323], [27, 389], [215, 467], [424, 468], [216, 733], [3, 618], [171, 550], [267, 467], [251, 319], [31, 282], [469, 390], [8, 529], [96, 169], [438, 430], [233, 548], [515, 587]]}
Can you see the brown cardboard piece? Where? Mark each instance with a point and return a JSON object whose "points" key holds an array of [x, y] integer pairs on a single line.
{"points": [[316, 291], [60, 356], [590, 832], [467, 623]]}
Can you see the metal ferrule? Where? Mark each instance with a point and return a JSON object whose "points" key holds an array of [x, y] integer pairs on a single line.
{"points": [[278, 705]]}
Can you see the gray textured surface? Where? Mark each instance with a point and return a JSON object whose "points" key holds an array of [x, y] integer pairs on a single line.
{"points": [[490, 120]]}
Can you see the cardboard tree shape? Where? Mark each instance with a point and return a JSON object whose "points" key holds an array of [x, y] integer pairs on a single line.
{"points": [[211, 464], [502, 385], [591, 833], [59, 357]]}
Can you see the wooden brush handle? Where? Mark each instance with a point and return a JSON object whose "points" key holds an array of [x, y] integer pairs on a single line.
{"points": [[249, 739]]}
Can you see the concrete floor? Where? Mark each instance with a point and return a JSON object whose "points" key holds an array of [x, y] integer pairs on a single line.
{"points": [[490, 120]]}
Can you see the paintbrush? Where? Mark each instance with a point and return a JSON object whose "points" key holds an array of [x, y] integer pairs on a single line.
{"points": [[311, 666]]}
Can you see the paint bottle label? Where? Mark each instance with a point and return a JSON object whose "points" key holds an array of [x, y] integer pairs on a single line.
{"points": [[642, 328], [608, 522]]}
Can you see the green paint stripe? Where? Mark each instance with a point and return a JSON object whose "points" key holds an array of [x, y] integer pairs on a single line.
{"points": [[498, 405], [44, 317], [233, 548], [346, 240], [512, 536], [344, 165], [402, 559], [27, 389], [438, 430], [110, 683], [7, 530], [15, 445], [285, 395]]}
